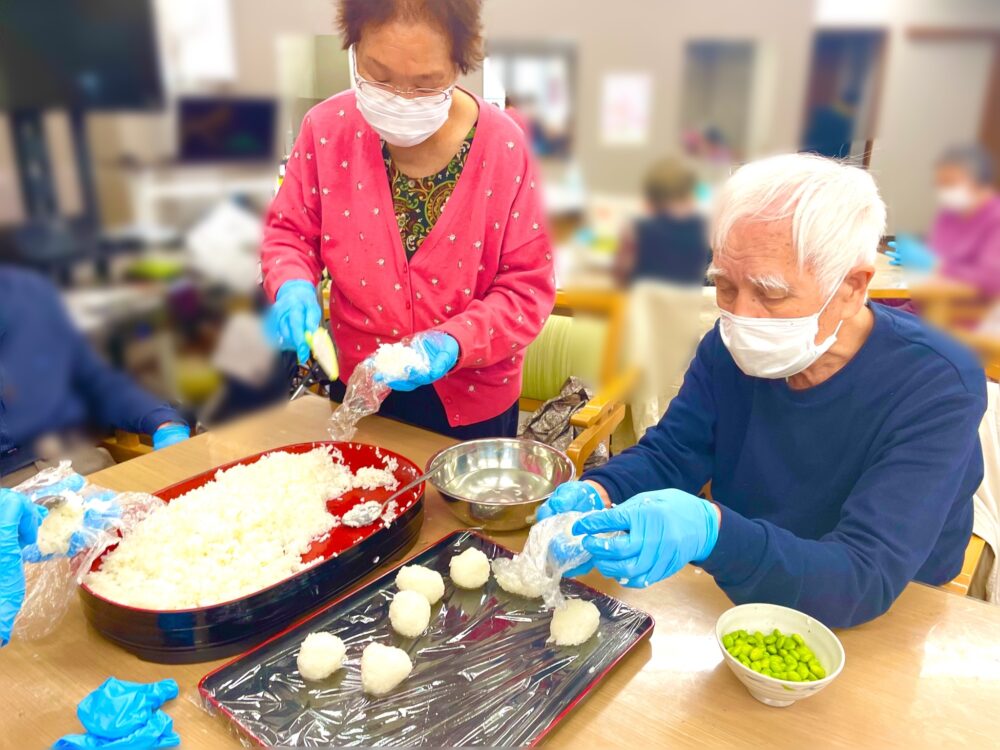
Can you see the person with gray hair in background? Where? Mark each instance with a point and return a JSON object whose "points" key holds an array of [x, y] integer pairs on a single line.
{"points": [[964, 242], [840, 437]]}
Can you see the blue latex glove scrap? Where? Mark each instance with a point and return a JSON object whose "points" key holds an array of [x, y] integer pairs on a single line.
{"points": [[664, 531], [441, 352], [909, 252], [19, 522], [122, 715]]}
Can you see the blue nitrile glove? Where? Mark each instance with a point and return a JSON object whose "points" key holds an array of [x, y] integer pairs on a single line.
{"points": [[562, 550], [441, 351], [570, 496], [19, 521], [294, 313], [666, 529], [158, 732], [909, 252], [170, 434], [101, 514]]}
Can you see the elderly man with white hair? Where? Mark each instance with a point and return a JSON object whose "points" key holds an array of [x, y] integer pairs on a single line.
{"points": [[840, 437]]}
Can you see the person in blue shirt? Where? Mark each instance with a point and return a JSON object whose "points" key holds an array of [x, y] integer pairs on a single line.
{"points": [[839, 438], [53, 385]]}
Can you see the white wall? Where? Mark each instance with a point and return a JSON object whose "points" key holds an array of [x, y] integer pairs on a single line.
{"points": [[650, 35], [932, 98]]}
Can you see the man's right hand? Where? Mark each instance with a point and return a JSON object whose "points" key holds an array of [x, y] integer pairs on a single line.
{"points": [[19, 522], [295, 313], [580, 496]]}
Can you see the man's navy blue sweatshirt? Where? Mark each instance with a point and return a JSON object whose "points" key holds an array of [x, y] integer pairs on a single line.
{"points": [[833, 498], [50, 378]]}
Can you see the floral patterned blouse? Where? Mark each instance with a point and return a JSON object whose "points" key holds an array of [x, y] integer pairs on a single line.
{"points": [[418, 202]]}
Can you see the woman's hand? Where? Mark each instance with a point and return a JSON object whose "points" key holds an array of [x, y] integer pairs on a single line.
{"points": [[441, 352], [295, 313]]}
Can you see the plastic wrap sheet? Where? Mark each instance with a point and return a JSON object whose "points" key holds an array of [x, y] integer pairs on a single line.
{"points": [[363, 397], [106, 515], [483, 672]]}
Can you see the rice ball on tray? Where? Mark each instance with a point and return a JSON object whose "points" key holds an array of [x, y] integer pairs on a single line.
{"points": [[422, 580], [383, 668], [320, 655], [470, 569], [409, 613], [574, 623]]}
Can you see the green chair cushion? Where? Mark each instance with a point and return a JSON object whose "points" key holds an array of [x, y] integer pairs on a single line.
{"points": [[566, 346]]}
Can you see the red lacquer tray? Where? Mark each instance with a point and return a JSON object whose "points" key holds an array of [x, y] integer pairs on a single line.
{"points": [[206, 633]]}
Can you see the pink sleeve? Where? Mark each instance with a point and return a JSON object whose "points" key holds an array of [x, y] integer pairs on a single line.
{"points": [[290, 249], [512, 312], [983, 270]]}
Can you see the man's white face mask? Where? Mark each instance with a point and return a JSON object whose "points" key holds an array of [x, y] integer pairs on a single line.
{"points": [[775, 347]]}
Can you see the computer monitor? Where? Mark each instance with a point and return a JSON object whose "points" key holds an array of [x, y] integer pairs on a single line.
{"points": [[79, 54], [216, 129]]}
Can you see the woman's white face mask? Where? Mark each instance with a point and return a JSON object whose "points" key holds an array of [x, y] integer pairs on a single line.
{"points": [[400, 121], [775, 347]]}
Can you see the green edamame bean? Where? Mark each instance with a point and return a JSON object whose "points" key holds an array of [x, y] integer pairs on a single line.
{"points": [[777, 664], [771, 649], [757, 654], [769, 640], [817, 669], [803, 670], [728, 641], [798, 639], [793, 677], [781, 642]]}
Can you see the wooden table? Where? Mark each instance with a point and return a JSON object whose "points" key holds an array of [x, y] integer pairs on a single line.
{"points": [[927, 674], [889, 281]]}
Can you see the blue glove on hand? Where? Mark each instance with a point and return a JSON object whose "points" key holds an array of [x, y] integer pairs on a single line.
{"points": [[19, 522], [170, 434], [123, 715], [666, 530], [909, 252], [570, 496], [441, 351], [294, 313], [100, 515]]}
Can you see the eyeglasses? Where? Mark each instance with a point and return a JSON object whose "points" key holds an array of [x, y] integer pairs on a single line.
{"points": [[435, 96]]}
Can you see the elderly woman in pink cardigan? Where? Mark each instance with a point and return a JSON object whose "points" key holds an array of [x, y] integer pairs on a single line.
{"points": [[422, 203]]}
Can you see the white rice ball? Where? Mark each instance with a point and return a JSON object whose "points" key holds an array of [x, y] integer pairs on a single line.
{"points": [[320, 656], [512, 582], [470, 570], [574, 623], [383, 668], [422, 580], [409, 613]]}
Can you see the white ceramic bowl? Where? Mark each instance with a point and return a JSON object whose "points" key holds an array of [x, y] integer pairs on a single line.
{"points": [[765, 618]]}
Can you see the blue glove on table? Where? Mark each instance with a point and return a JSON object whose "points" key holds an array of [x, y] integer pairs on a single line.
{"points": [[909, 252], [294, 313], [441, 351], [19, 521], [570, 496], [665, 530], [122, 715], [170, 434]]}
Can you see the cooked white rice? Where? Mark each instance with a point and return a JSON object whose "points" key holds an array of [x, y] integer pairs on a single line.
{"points": [[239, 533]]}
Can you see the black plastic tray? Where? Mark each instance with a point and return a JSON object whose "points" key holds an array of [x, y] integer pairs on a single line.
{"points": [[483, 673]]}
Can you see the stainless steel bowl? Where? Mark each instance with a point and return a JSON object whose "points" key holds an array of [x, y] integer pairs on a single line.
{"points": [[497, 483]]}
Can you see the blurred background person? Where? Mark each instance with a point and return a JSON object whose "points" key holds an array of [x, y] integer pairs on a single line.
{"points": [[55, 391], [669, 242], [830, 129]]}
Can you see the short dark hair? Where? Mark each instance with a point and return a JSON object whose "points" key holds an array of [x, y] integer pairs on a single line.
{"points": [[974, 159], [669, 180], [459, 19]]}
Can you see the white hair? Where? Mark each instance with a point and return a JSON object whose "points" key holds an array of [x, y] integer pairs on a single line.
{"points": [[837, 214]]}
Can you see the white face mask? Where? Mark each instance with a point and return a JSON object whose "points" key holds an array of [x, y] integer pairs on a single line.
{"points": [[957, 198], [775, 347], [400, 121]]}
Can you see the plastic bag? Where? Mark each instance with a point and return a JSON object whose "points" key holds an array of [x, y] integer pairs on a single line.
{"points": [[551, 550], [364, 394], [102, 517], [550, 423]]}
